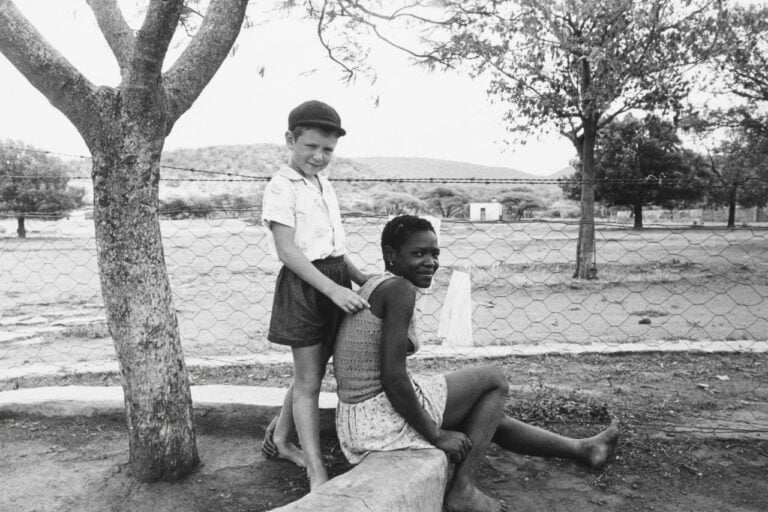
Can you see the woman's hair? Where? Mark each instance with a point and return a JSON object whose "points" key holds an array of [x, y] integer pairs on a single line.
{"points": [[399, 230]]}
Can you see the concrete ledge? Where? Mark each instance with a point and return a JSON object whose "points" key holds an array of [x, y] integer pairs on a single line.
{"points": [[229, 406], [398, 481], [92, 400]]}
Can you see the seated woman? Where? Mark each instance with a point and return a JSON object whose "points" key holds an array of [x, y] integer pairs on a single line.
{"points": [[382, 407]]}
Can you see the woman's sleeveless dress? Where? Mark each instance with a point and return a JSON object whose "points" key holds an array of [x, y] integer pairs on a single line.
{"points": [[365, 419]]}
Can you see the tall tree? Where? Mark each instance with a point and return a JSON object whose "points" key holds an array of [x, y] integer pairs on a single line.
{"points": [[739, 169], [640, 162], [33, 184], [568, 65], [740, 67], [735, 127], [125, 128]]}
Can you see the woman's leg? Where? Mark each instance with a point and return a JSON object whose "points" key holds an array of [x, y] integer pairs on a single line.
{"points": [[309, 367], [519, 437], [474, 406]]}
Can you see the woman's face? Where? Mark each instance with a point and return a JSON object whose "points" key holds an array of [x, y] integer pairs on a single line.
{"points": [[418, 258]]}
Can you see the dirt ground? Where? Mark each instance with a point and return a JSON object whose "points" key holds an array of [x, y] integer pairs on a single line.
{"points": [[692, 440]]}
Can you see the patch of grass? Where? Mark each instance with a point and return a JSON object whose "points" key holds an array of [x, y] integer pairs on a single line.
{"points": [[550, 405]]}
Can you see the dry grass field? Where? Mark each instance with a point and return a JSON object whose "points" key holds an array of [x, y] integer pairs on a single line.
{"points": [[693, 425], [662, 283]]}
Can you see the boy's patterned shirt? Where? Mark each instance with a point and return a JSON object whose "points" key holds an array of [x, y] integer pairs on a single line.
{"points": [[292, 200]]}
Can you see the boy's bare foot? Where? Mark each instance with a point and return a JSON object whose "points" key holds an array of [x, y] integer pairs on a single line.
{"points": [[272, 447], [291, 453], [471, 499], [317, 477], [599, 448]]}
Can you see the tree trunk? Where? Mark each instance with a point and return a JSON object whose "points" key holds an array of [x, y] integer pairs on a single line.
{"points": [[140, 310], [21, 230], [586, 267], [637, 213]]}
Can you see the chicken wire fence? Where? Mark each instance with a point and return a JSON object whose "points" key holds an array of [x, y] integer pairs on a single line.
{"points": [[670, 287]]}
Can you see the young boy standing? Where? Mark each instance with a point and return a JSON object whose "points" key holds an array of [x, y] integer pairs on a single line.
{"points": [[313, 289]]}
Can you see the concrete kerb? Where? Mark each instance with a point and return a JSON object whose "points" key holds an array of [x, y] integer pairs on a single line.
{"points": [[427, 352]]}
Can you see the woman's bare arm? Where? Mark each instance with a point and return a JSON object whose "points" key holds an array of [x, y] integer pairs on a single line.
{"points": [[397, 299]]}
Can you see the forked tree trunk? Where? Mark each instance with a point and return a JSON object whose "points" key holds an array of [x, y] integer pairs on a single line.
{"points": [[125, 128]]}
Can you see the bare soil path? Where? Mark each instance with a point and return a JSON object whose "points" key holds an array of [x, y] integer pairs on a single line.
{"points": [[694, 438]]}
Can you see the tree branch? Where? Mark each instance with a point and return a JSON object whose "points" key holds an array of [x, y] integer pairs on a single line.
{"points": [[116, 31], [152, 41], [402, 12], [46, 69], [202, 58], [349, 73]]}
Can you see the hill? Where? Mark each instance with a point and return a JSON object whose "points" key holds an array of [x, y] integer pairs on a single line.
{"points": [[250, 159], [565, 172], [405, 167], [263, 160], [215, 170]]}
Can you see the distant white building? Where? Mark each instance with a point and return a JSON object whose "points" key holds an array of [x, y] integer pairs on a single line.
{"points": [[485, 211]]}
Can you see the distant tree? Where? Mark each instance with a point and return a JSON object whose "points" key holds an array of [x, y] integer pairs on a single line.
{"points": [[33, 184], [737, 135], [517, 203], [445, 202], [397, 203], [572, 65], [175, 209], [201, 207], [739, 168], [639, 163]]}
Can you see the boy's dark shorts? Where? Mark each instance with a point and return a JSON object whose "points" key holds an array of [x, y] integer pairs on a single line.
{"points": [[301, 315]]}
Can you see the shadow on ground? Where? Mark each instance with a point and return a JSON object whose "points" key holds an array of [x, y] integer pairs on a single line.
{"points": [[79, 464]]}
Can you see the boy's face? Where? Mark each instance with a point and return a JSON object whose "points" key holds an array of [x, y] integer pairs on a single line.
{"points": [[311, 151]]}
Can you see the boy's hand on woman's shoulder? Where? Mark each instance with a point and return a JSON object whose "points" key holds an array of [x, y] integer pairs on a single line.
{"points": [[347, 300]]}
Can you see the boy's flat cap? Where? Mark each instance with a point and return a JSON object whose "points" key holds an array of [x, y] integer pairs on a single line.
{"points": [[315, 113]]}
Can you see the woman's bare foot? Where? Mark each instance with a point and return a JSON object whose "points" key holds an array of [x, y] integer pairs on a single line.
{"points": [[470, 499], [317, 477], [599, 448]]}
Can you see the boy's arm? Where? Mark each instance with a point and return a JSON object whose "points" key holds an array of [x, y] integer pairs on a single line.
{"points": [[358, 277], [294, 259]]}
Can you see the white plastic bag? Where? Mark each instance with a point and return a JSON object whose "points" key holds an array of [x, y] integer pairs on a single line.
{"points": [[456, 314]]}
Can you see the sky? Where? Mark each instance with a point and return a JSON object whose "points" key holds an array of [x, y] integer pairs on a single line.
{"points": [[419, 114]]}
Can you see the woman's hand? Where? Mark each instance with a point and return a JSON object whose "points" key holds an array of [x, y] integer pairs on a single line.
{"points": [[455, 444]]}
